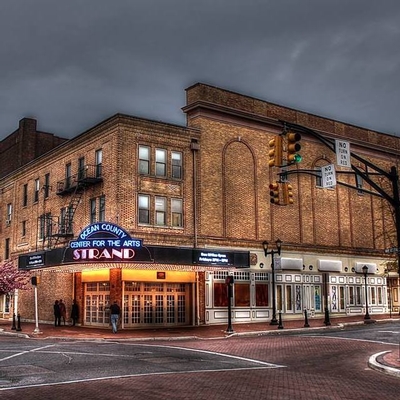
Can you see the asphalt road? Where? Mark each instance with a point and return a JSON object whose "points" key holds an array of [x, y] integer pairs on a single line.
{"points": [[384, 333], [332, 365]]}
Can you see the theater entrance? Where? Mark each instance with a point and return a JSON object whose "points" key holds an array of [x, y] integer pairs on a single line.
{"points": [[160, 304]]}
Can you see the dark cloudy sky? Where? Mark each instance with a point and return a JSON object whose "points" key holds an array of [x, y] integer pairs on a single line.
{"points": [[73, 63]]}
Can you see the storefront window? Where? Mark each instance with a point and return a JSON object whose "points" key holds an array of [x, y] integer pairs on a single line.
{"points": [[380, 300], [261, 294], [220, 295], [242, 295]]}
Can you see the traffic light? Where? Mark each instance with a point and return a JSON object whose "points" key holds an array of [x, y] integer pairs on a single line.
{"points": [[287, 192], [275, 152], [274, 192], [293, 148]]}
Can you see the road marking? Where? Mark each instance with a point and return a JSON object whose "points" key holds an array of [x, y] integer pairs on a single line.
{"points": [[25, 352], [259, 365], [218, 354], [354, 339], [133, 376]]}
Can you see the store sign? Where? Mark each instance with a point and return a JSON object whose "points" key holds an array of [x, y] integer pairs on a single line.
{"points": [[212, 257], [104, 242], [35, 260]]}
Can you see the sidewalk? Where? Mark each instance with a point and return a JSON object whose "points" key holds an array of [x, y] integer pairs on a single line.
{"points": [[389, 362]]}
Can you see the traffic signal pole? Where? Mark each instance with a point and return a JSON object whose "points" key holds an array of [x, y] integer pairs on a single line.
{"points": [[392, 176]]}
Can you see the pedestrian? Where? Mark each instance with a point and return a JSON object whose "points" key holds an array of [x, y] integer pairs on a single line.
{"points": [[57, 314], [74, 312], [63, 310], [115, 311]]}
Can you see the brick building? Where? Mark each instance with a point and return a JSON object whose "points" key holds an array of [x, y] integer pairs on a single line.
{"points": [[158, 216]]}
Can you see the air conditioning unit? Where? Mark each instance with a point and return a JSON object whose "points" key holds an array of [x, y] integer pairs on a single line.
{"points": [[8, 222]]}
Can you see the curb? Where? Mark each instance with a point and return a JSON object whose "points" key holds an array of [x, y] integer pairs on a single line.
{"points": [[21, 335], [374, 364]]}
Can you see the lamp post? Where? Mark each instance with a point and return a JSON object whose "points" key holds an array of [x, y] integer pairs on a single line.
{"points": [[365, 272], [278, 244]]}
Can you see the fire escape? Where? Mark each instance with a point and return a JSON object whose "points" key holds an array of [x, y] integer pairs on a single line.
{"points": [[74, 186]]}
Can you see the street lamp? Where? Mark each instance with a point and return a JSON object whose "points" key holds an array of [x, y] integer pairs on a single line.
{"points": [[365, 272], [278, 244]]}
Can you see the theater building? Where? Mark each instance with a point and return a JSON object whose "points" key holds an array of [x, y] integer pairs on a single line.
{"points": [[159, 216]]}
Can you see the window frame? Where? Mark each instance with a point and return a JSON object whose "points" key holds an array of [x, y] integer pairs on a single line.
{"points": [[25, 195], [161, 162], [176, 164], [98, 156], [143, 211], [46, 185], [160, 210], [36, 191], [176, 214], [144, 160]]}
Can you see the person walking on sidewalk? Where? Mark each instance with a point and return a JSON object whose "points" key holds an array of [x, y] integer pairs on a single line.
{"points": [[57, 314], [74, 312], [115, 311]]}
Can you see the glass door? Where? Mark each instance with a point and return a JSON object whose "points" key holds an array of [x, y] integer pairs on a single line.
{"points": [[155, 304], [97, 303]]}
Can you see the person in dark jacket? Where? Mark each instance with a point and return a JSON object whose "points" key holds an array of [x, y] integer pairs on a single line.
{"points": [[63, 310], [74, 312], [57, 314]]}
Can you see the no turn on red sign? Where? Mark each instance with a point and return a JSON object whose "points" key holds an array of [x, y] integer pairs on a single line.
{"points": [[328, 176]]}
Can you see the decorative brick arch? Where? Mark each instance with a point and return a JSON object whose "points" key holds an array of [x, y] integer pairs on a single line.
{"points": [[239, 190]]}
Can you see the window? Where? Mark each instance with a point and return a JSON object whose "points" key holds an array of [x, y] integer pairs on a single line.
{"points": [[36, 193], [318, 178], [176, 168], [144, 160], [68, 177], [9, 212], [99, 162], [23, 228], [81, 168], [242, 294], [62, 223], [161, 162], [359, 184], [220, 295], [93, 211], [176, 212], [65, 220], [261, 294], [7, 249], [25, 195], [102, 208], [144, 209], [160, 206], [45, 226], [97, 209], [46, 185]]}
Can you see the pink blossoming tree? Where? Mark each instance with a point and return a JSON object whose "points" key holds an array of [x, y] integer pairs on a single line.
{"points": [[11, 278]]}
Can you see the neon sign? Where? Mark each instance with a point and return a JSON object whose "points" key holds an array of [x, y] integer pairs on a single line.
{"points": [[104, 241]]}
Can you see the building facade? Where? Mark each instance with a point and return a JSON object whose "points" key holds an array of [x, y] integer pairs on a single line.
{"points": [[159, 216]]}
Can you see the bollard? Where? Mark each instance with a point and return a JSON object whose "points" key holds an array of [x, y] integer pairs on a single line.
{"points": [[280, 325], [19, 323], [13, 323], [306, 324], [327, 322]]}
